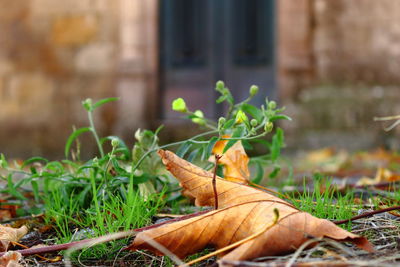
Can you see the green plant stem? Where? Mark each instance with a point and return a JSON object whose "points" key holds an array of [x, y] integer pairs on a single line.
{"points": [[170, 145], [93, 130], [95, 200]]}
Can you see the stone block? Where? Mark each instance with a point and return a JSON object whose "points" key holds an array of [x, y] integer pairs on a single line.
{"points": [[51, 7], [95, 58], [131, 106], [74, 30], [27, 98]]}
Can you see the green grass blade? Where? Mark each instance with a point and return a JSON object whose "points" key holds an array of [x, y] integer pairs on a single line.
{"points": [[72, 138], [104, 101]]}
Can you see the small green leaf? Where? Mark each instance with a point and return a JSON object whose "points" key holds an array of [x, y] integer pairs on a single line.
{"points": [[54, 166], [183, 149], [228, 124], [193, 155], [210, 146], [253, 111], [72, 138], [12, 189], [33, 160], [221, 99], [237, 133], [274, 172], [279, 117], [117, 167], [104, 101], [35, 189], [142, 178], [277, 144], [3, 161], [246, 144], [259, 173]]}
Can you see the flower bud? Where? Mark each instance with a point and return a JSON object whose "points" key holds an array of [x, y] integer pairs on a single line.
{"points": [[253, 122], [115, 142], [241, 117], [220, 85], [272, 105], [179, 105], [88, 104], [138, 135], [199, 119], [253, 90], [221, 122], [268, 127]]}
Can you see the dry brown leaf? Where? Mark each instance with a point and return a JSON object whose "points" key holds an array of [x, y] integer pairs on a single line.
{"points": [[7, 211], [9, 234], [11, 259], [243, 211], [382, 175], [235, 161]]}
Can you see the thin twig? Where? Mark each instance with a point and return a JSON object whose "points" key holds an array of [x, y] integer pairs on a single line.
{"points": [[214, 180], [367, 214]]}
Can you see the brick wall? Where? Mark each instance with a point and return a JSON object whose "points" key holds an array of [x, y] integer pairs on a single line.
{"points": [[54, 54], [339, 71], [338, 64]]}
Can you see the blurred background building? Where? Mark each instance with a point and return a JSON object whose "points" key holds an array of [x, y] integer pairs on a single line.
{"points": [[334, 64]]}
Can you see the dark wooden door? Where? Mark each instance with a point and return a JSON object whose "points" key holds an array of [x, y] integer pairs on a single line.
{"points": [[202, 41]]}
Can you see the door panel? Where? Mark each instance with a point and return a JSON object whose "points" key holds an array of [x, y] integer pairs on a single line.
{"points": [[202, 41]]}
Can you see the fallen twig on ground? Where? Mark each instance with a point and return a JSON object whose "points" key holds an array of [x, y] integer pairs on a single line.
{"points": [[65, 246], [367, 214]]}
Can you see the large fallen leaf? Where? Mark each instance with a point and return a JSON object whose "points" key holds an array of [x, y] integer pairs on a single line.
{"points": [[235, 161], [243, 211], [9, 234]]}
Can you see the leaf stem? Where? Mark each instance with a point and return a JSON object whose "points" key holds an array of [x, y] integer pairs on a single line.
{"points": [[214, 181], [93, 130]]}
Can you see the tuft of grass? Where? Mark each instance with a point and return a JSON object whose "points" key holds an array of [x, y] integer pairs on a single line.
{"points": [[324, 201], [116, 214]]}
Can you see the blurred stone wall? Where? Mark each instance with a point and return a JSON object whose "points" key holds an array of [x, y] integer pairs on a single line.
{"points": [[337, 65], [340, 70], [54, 54]]}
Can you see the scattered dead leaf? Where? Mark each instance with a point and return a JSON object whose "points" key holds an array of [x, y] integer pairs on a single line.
{"points": [[9, 234], [326, 159], [235, 161], [382, 175], [11, 259], [7, 211], [243, 211]]}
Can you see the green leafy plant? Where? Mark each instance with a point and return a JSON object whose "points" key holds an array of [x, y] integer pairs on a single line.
{"points": [[242, 122], [108, 193]]}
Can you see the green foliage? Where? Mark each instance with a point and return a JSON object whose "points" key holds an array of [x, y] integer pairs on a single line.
{"points": [[121, 189], [324, 201], [242, 122]]}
